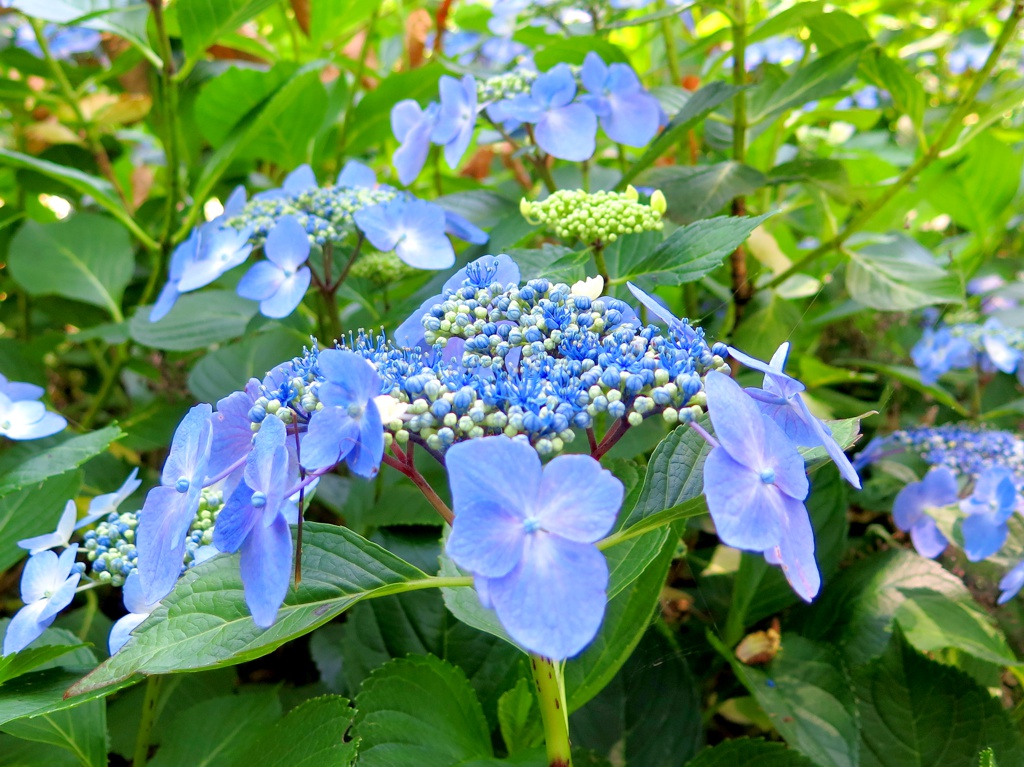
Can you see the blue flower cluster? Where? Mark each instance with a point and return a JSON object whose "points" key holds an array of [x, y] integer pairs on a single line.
{"points": [[287, 222], [976, 471], [990, 346], [546, 107]]}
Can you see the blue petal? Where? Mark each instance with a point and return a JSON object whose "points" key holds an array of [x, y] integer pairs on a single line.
{"points": [[378, 223], [134, 599], [1011, 583], [795, 552], [788, 418], [927, 538], [405, 115], [25, 627], [61, 598], [984, 535], [332, 435], [163, 524], [356, 380], [478, 474], [555, 88], [746, 510], [266, 565], [554, 602], [486, 539], [235, 202], [410, 333], [825, 438], [365, 457], [579, 499], [231, 432], [39, 576], [287, 244], [357, 174], [632, 119], [937, 489], [261, 281], [235, 520], [568, 133], [300, 180], [190, 447], [654, 306], [739, 426], [464, 229], [121, 631], [288, 296], [164, 302], [410, 157], [593, 73]]}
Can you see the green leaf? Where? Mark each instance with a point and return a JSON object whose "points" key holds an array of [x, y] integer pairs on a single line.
{"points": [[770, 320], [750, 753], [675, 474], [204, 622], [203, 21], [196, 321], [697, 107], [226, 100], [218, 730], [987, 758], [906, 91], [572, 49], [30, 658], [15, 752], [836, 29], [86, 257], [82, 730], [822, 77], [519, 718], [932, 621], [556, 262], [695, 192], [322, 723], [17, 472], [31, 511], [220, 372], [917, 711], [421, 711], [912, 378], [808, 695], [898, 274]]}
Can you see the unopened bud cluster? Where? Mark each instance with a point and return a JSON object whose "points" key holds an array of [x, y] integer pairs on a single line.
{"points": [[598, 218], [381, 269], [504, 86]]}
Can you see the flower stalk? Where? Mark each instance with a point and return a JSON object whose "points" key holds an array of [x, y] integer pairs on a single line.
{"points": [[550, 685]]}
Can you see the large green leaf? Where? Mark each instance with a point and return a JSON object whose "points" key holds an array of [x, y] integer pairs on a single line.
{"points": [[695, 192], [822, 77], [323, 723], [20, 469], [32, 511], [204, 622], [227, 99], [222, 371], [203, 21], [86, 257], [196, 321], [915, 711], [808, 696], [675, 474], [82, 730], [422, 711], [898, 274], [750, 753], [519, 718]]}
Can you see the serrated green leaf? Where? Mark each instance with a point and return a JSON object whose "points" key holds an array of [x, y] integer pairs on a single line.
{"points": [[322, 723], [203, 21], [750, 753], [82, 730], [196, 321], [33, 510], [915, 711], [696, 192], [675, 474], [26, 660], [421, 711], [898, 274], [519, 717]]}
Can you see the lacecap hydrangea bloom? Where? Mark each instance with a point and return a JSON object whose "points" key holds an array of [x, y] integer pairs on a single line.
{"points": [[990, 346]]}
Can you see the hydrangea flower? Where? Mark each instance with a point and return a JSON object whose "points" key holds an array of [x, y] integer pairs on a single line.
{"points": [[255, 520], [562, 128], [677, 326], [628, 114], [220, 249], [999, 353], [414, 229], [60, 537], [755, 484], [1011, 583], [16, 390], [181, 259], [349, 427], [938, 352], [48, 585], [138, 610], [26, 419], [280, 282], [412, 126], [780, 400], [528, 538], [992, 503], [171, 506], [456, 117], [937, 489]]}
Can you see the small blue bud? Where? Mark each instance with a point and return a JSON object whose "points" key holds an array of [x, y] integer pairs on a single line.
{"points": [[182, 485]]}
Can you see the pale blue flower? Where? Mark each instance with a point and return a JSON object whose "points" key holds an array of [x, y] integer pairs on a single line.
{"points": [[562, 128], [456, 117], [938, 352], [280, 282], [909, 509], [629, 114], [992, 503], [412, 126], [61, 537], [414, 229], [48, 585], [26, 419], [220, 249], [527, 534]]}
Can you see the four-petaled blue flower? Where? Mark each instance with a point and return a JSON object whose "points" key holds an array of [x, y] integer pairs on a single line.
{"points": [[629, 114], [562, 128], [937, 489], [780, 400], [171, 506], [27, 419], [220, 249], [349, 427], [414, 229], [528, 538], [755, 484], [938, 352], [456, 118], [280, 282], [48, 585], [412, 126], [992, 503], [255, 520]]}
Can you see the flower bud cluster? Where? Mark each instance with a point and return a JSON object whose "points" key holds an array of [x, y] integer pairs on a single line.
{"points": [[598, 218], [535, 360], [110, 546], [504, 86], [381, 269]]}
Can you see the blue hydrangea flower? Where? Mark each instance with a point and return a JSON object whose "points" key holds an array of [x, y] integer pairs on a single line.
{"points": [[48, 585], [138, 610], [629, 114], [1002, 356], [482, 273], [966, 57], [349, 427], [755, 484], [171, 506], [412, 126], [502, 51], [255, 520], [992, 503], [938, 352], [59, 538], [181, 259], [456, 117], [106, 504], [527, 537], [562, 128], [414, 229], [26, 419], [868, 97], [16, 390], [1011, 583], [775, 50], [280, 282], [220, 249], [937, 489], [780, 400]]}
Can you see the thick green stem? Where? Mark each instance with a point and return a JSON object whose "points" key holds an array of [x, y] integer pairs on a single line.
{"points": [[953, 122], [600, 263], [741, 288], [547, 675], [149, 706]]}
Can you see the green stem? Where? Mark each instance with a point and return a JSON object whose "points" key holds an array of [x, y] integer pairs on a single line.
{"points": [[149, 706], [600, 263], [106, 387], [555, 717], [741, 288], [953, 122], [364, 51], [169, 107], [92, 604]]}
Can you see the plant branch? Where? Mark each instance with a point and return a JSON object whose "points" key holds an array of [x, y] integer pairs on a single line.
{"points": [[403, 462], [742, 290], [547, 676]]}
